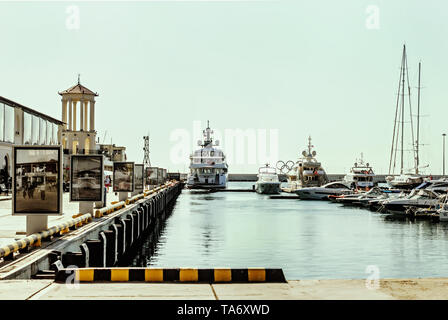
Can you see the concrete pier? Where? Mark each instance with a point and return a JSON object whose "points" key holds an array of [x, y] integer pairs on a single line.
{"points": [[389, 289], [99, 243]]}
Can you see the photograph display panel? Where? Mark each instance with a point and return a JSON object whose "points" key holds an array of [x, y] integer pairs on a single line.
{"points": [[139, 176], [37, 180], [87, 183], [123, 177]]}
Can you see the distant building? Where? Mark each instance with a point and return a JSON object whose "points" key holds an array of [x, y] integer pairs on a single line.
{"points": [[112, 153], [21, 125]]}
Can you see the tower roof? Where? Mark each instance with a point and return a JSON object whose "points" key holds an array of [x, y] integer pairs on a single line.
{"points": [[78, 88]]}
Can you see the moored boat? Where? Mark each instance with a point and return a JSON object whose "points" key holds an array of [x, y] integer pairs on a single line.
{"points": [[268, 182], [306, 172], [323, 192], [208, 166]]}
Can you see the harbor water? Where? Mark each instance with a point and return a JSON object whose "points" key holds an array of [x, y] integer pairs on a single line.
{"points": [[308, 239]]}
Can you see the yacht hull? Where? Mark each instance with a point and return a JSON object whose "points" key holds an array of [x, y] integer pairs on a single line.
{"points": [[267, 188]]}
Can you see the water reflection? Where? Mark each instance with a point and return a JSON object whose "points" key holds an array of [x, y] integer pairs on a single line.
{"points": [[308, 239]]}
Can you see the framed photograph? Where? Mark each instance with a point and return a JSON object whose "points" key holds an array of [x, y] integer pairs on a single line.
{"points": [[151, 175], [86, 176], [123, 177], [139, 176], [37, 180], [159, 175]]}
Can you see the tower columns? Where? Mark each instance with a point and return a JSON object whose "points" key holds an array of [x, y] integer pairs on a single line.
{"points": [[74, 115], [85, 114], [64, 113], [70, 114], [92, 115], [81, 120]]}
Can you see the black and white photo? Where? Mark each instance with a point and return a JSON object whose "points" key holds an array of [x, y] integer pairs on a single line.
{"points": [[151, 176], [86, 178], [139, 176], [123, 177], [37, 180]]}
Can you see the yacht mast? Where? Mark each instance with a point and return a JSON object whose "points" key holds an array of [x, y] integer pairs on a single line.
{"points": [[402, 109], [393, 153], [418, 120], [309, 146], [400, 118]]}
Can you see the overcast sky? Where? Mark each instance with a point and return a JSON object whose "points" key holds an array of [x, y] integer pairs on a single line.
{"points": [[324, 69]]}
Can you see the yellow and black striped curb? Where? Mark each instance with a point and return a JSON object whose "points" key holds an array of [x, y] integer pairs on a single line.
{"points": [[171, 275], [35, 239], [117, 205], [108, 210]]}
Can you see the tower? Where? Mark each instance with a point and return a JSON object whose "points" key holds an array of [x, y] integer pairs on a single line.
{"points": [[78, 114], [146, 161]]}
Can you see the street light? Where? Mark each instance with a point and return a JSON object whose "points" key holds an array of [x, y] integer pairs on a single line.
{"points": [[444, 135]]}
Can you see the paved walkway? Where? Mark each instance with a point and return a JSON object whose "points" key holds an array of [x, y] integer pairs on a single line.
{"points": [[14, 227], [389, 289]]}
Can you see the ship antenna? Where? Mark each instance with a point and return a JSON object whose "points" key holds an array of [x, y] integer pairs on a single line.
{"points": [[309, 145]]}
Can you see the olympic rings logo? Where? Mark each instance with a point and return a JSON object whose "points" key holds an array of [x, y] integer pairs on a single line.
{"points": [[285, 167]]}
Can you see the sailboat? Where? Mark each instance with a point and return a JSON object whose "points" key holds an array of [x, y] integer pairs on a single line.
{"points": [[406, 180]]}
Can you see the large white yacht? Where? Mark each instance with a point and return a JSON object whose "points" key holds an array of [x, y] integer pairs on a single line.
{"points": [[360, 176], [306, 172], [268, 182], [208, 166], [405, 181], [322, 193]]}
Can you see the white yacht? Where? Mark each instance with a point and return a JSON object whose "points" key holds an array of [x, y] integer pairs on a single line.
{"points": [[268, 182], [322, 193], [208, 166], [360, 176], [405, 181], [306, 172]]}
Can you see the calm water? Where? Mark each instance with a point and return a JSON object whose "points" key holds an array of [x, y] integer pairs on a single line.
{"points": [[308, 239]]}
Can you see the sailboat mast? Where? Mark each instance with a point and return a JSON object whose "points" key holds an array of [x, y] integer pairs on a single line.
{"points": [[402, 109], [393, 149], [418, 118]]}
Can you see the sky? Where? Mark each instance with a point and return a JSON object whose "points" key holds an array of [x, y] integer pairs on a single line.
{"points": [[328, 69]]}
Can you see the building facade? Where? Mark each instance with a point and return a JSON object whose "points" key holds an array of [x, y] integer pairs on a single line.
{"points": [[21, 125]]}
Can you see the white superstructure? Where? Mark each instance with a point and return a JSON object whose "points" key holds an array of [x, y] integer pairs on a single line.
{"points": [[306, 172], [360, 176], [268, 182], [208, 167]]}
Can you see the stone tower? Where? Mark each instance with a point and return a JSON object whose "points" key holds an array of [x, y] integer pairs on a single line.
{"points": [[78, 114]]}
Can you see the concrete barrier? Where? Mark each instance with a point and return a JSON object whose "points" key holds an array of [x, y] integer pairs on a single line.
{"points": [[35, 239], [247, 275], [115, 206], [102, 243]]}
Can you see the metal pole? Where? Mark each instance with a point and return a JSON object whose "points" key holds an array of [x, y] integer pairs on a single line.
{"points": [[418, 117], [444, 134]]}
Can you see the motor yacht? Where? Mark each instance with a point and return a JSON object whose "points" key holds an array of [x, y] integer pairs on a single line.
{"points": [[322, 193], [422, 198], [360, 176], [268, 182], [304, 173], [208, 166]]}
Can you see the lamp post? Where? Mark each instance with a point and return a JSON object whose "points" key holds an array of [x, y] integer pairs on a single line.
{"points": [[444, 135]]}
